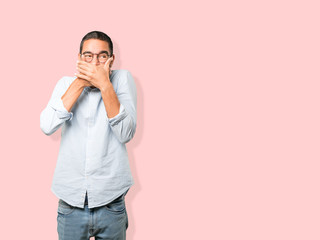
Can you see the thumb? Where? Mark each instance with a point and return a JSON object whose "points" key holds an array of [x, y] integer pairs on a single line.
{"points": [[108, 62]]}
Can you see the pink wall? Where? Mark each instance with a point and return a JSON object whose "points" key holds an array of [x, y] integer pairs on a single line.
{"points": [[227, 141]]}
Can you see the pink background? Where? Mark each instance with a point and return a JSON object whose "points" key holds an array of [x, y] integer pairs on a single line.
{"points": [[227, 141]]}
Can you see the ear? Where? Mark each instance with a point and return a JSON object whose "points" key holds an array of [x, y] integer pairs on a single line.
{"points": [[79, 56]]}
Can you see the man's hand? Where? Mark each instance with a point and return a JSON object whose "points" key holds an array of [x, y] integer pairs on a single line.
{"points": [[97, 76], [83, 83]]}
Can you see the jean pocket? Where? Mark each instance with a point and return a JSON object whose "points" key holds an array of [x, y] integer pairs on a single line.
{"points": [[64, 208], [117, 206]]}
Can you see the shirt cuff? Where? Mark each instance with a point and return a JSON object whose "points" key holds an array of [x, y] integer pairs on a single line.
{"points": [[116, 119], [62, 112]]}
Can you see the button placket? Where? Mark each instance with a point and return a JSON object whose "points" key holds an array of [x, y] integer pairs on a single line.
{"points": [[87, 161]]}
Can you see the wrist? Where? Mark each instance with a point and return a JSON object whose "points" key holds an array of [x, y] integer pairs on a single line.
{"points": [[80, 83], [106, 86]]}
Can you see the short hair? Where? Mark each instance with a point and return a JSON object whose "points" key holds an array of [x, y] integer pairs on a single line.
{"points": [[97, 35]]}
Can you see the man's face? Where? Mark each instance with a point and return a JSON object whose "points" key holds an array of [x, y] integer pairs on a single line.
{"points": [[95, 46]]}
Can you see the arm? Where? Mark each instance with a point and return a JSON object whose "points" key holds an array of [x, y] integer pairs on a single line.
{"points": [[121, 107], [111, 101], [58, 109], [72, 94]]}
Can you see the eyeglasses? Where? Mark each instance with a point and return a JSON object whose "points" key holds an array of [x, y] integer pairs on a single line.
{"points": [[102, 56]]}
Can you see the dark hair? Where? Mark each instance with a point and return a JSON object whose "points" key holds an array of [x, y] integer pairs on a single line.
{"points": [[97, 35]]}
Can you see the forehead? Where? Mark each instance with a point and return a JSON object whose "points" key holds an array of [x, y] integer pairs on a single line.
{"points": [[95, 46]]}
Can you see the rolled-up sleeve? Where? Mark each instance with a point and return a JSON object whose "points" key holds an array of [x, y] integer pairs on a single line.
{"points": [[123, 124], [55, 114], [62, 112]]}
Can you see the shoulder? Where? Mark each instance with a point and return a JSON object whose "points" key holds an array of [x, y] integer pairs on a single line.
{"points": [[120, 73], [121, 76], [65, 81]]}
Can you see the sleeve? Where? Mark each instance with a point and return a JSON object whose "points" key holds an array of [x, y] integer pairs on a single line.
{"points": [[123, 124], [55, 114]]}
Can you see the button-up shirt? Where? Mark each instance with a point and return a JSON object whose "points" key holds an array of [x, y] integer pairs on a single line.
{"points": [[92, 156]]}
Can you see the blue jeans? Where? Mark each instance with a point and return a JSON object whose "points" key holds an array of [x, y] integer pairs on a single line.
{"points": [[106, 222]]}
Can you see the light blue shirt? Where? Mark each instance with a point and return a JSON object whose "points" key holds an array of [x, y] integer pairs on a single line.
{"points": [[92, 155]]}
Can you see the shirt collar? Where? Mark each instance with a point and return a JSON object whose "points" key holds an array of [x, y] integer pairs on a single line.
{"points": [[89, 89]]}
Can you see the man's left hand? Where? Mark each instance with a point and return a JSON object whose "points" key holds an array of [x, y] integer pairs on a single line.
{"points": [[98, 76]]}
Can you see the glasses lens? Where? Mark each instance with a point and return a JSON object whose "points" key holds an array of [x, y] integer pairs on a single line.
{"points": [[103, 57], [87, 57]]}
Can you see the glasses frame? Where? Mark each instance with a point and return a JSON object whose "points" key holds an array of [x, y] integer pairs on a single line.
{"points": [[102, 52]]}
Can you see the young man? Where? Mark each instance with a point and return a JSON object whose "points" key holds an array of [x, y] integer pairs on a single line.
{"points": [[96, 110]]}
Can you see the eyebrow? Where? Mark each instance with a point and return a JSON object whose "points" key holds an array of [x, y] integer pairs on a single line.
{"points": [[98, 53]]}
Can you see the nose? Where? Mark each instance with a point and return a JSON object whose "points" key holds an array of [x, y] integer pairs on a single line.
{"points": [[95, 60]]}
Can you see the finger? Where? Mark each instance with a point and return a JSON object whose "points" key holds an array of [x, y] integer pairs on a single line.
{"points": [[108, 62], [83, 67], [85, 72], [80, 75], [80, 62], [83, 63]]}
